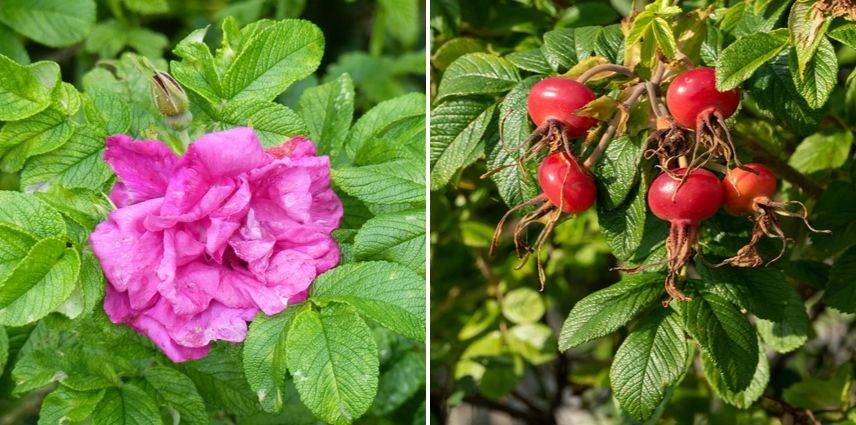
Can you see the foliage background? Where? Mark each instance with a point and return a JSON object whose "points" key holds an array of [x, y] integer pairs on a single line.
{"points": [[494, 338], [66, 360]]}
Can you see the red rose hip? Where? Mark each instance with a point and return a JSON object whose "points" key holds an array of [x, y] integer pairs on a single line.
{"points": [[565, 184], [684, 206], [557, 98], [693, 95]]}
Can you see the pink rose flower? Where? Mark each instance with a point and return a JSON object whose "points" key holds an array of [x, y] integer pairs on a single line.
{"points": [[199, 244]]}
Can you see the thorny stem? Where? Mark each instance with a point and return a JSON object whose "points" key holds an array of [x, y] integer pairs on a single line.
{"points": [[608, 67]]}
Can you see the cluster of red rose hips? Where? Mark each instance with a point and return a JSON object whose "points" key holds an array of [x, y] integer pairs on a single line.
{"points": [[684, 194]]}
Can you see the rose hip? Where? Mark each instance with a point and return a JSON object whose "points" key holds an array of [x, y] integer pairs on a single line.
{"points": [[565, 184], [684, 206], [749, 191], [693, 95], [558, 99]]}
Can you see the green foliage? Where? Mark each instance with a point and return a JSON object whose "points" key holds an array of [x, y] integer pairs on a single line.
{"points": [[351, 351], [758, 330]]}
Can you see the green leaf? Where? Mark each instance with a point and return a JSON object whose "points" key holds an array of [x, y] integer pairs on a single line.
{"points": [[177, 391], [845, 33], [382, 118], [523, 305], [398, 237], [110, 37], [219, 378], [565, 47], [815, 393], [515, 184], [274, 123], [265, 357], [399, 382], [379, 78], [822, 152], [196, 71], [608, 309], [32, 136], [22, 91], [616, 171], [609, 43], [28, 214], [772, 89], [532, 341], [40, 283], [401, 19], [789, 333], [128, 79], [275, 57], [54, 23], [451, 50], [477, 73], [457, 129], [108, 110], [76, 164], [128, 405], [327, 110], [4, 348], [816, 81], [664, 36], [531, 60], [147, 7], [651, 359], [841, 291], [725, 335], [12, 47], [15, 246], [740, 399], [388, 293], [806, 27], [91, 282], [387, 183], [624, 227], [334, 360], [63, 405], [765, 292], [741, 59]]}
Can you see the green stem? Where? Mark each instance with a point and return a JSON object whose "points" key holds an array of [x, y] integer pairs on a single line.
{"points": [[378, 33]]}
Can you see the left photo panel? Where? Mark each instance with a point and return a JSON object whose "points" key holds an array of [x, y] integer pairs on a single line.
{"points": [[212, 212]]}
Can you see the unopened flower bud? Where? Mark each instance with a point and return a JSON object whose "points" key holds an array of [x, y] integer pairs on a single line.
{"points": [[168, 95]]}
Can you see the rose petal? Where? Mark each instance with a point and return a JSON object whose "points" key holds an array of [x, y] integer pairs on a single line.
{"points": [[227, 153], [143, 166]]}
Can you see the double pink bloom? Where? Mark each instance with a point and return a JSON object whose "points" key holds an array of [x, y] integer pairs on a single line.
{"points": [[199, 244]]}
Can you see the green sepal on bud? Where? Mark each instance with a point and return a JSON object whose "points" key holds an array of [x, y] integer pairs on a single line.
{"points": [[170, 100]]}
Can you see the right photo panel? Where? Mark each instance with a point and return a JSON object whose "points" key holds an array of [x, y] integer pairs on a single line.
{"points": [[642, 212]]}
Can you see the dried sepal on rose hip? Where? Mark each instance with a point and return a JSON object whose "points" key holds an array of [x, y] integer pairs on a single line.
{"points": [[695, 103], [566, 188], [748, 192], [552, 105], [684, 199]]}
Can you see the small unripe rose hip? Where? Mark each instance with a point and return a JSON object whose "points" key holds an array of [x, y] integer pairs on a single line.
{"points": [[743, 188]]}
